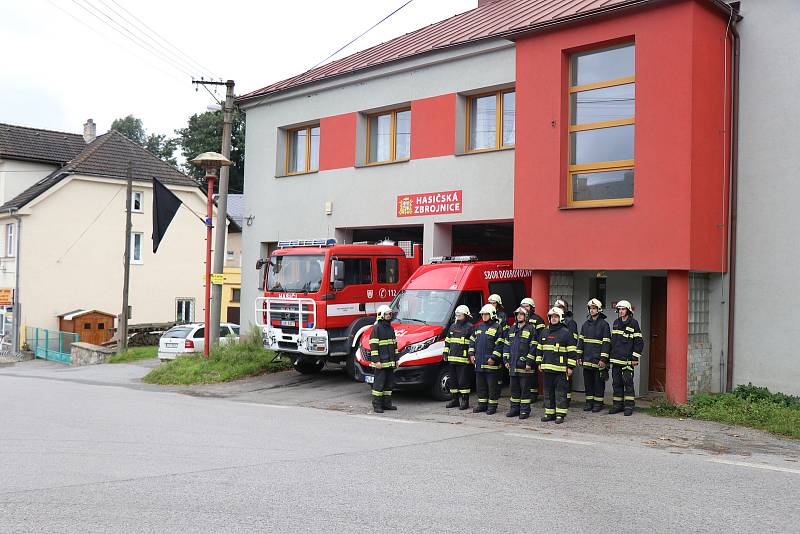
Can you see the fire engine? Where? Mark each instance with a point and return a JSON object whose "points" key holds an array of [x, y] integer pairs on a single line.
{"points": [[320, 296], [424, 309]]}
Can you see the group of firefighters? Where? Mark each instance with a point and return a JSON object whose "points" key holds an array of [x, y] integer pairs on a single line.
{"points": [[530, 345]]}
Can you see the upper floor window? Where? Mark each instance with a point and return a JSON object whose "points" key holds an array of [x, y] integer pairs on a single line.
{"points": [[389, 136], [11, 241], [137, 201], [490, 121], [602, 96], [302, 150]]}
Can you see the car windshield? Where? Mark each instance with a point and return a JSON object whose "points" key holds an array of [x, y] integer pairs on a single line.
{"points": [[179, 332], [429, 306], [295, 273]]}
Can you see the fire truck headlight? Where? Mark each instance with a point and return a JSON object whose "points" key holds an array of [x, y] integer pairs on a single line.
{"points": [[420, 345]]}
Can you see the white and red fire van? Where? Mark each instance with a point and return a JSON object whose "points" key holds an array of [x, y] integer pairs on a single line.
{"points": [[424, 310]]}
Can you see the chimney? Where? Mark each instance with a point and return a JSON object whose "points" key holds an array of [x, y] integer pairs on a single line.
{"points": [[89, 131]]}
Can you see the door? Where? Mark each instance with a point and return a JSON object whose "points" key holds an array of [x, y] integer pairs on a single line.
{"points": [[233, 314], [658, 333]]}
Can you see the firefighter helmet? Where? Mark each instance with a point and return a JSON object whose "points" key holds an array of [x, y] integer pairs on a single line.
{"points": [[555, 310], [560, 303], [464, 310], [596, 303], [625, 304], [489, 309], [494, 297], [528, 301], [521, 310], [383, 309]]}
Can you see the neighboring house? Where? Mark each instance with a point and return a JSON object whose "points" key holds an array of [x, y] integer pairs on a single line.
{"points": [[66, 211], [232, 289]]}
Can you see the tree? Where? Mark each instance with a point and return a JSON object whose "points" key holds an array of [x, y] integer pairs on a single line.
{"points": [[203, 133], [158, 144]]}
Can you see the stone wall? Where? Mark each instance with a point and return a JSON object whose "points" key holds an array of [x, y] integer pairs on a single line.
{"points": [[700, 363], [699, 368], [88, 354]]}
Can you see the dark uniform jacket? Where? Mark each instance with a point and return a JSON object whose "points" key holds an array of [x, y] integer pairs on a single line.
{"points": [[538, 322], [383, 344], [571, 324], [520, 348], [556, 350], [594, 341], [456, 344], [487, 342], [627, 342]]}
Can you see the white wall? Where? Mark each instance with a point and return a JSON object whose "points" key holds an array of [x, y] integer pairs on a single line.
{"points": [[17, 176]]}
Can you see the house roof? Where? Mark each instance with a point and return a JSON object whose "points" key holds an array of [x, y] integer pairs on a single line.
{"points": [[34, 144], [77, 313], [107, 157], [236, 208]]}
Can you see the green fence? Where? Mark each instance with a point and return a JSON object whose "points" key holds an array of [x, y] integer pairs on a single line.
{"points": [[51, 344]]}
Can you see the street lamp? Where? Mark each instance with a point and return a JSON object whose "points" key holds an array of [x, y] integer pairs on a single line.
{"points": [[210, 162]]}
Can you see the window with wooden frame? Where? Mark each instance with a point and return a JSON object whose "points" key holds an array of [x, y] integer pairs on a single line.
{"points": [[491, 121], [602, 97], [302, 150], [389, 136]]}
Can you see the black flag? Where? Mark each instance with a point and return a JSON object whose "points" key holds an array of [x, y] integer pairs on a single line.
{"points": [[165, 206]]}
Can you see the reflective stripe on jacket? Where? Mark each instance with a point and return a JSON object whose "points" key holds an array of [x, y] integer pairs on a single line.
{"points": [[594, 341], [486, 342], [520, 348], [627, 342], [456, 344], [383, 344], [556, 350]]}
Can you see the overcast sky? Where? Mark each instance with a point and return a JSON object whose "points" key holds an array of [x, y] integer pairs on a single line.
{"points": [[61, 64]]}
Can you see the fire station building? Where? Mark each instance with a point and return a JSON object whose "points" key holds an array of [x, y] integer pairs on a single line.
{"points": [[592, 141]]}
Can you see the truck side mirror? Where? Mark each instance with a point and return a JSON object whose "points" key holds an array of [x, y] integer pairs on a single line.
{"points": [[338, 271], [260, 263], [338, 285]]}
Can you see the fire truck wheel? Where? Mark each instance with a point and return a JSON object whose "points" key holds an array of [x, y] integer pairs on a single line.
{"points": [[309, 367], [440, 389]]}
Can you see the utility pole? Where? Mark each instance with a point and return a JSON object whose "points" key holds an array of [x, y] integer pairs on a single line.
{"points": [[123, 318], [222, 208]]}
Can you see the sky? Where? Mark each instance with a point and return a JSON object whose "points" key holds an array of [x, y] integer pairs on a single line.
{"points": [[65, 61]]}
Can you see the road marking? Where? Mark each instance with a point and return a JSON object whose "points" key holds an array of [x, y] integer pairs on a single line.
{"points": [[756, 466], [378, 418], [264, 405], [548, 438]]}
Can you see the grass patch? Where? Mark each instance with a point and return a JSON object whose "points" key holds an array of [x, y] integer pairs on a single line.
{"points": [[751, 406], [134, 354], [225, 363]]}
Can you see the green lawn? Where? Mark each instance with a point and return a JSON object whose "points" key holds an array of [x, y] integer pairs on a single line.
{"points": [[750, 406], [134, 354], [226, 363]]}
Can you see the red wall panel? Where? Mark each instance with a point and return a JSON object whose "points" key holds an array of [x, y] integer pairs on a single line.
{"points": [[337, 141], [433, 125]]}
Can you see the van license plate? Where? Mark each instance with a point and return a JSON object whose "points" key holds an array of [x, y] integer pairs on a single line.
{"points": [[369, 379], [288, 323]]}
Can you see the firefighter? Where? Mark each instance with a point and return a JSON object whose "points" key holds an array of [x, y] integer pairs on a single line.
{"points": [[555, 356], [456, 354], [485, 348], [383, 358], [594, 344], [627, 344], [519, 356], [573, 328], [538, 323], [502, 318]]}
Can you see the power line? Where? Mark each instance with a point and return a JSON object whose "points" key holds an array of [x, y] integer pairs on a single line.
{"points": [[363, 34]]}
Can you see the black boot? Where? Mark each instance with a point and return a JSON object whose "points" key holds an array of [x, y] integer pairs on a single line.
{"points": [[598, 406], [387, 404], [377, 406], [481, 407], [534, 397], [615, 409], [628, 411], [559, 419], [513, 411], [492, 409], [548, 418], [453, 402], [524, 415], [588, 406], [464, 401]]}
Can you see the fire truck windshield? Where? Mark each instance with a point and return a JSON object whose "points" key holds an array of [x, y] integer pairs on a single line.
{"points": [[295, 273], [429, 306]]}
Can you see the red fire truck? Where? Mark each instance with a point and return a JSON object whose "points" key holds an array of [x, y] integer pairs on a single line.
{"points": [[424, 310], [319, 297]]}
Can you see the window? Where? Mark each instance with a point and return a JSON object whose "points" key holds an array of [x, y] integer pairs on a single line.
{"points": [[136, 247], [388, 271], [491, 121], [184, 310], [357, 271], [602, 95], [11, 242], [87, 326], [137, 202], [389, 136], [472, 300], [200, 333], [236, 294], [302, 150], [101, 326], [512, 292]]}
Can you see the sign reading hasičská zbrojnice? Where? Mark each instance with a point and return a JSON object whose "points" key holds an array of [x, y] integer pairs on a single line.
{"points": [[438, 203]]}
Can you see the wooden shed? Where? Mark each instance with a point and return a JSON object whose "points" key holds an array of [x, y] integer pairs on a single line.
{"points": [[93, 326]]}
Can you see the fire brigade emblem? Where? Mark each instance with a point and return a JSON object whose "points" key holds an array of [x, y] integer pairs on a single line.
{"points": [[404, 206], [369, 293]]}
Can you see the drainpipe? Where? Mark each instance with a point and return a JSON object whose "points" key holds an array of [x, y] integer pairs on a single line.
{"points": [[13, 212], [732, 212]]}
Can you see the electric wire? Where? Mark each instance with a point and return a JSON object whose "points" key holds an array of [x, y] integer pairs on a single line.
{"points": [[91, 224]]}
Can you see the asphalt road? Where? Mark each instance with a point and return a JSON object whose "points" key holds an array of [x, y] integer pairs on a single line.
{"points": [[82, 452]]}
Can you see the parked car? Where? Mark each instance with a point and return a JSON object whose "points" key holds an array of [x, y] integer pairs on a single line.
{"points": [[186, 339]]}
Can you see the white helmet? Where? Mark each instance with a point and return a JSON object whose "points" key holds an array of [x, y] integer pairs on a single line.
{"points": [[464, 310], [521, 310], [383, 309], [560, 303], [528, 301], [488, 308], [596, 303], [625, 304], [494, 297], [555, 310]]}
